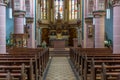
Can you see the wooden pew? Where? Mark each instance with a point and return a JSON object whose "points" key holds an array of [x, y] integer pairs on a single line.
{"points": [[19, 74], [81, 58], [110, 60], [77, 53], [110, 72], [40, 60], [43, 59], [15, 66]]}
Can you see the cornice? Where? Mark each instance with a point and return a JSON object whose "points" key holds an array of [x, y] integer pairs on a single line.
{"points": [[19, 13], [89, 19], [99, 13], [29, 19], [116, 3]]}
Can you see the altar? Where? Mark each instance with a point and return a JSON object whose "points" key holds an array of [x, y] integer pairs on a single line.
{"points": [[59, 43], [59, 34]]}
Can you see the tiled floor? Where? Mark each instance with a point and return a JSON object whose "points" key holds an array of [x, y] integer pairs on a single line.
{"points": [[60, 69]]}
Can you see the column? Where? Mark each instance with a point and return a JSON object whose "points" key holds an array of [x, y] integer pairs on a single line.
{"points": [[38, 36], [19, 15], [89, 38], [39, 12], [85, 25], [78, 14], [52, 15], [116, 28], [19, 22], [52, 11], [78, 35], [81, 41], [2, 27], [99, 28], [66, 15], [31, 39], [37, 43]]}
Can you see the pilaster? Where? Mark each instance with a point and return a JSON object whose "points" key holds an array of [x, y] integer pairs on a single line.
{"points": [[99, 28], [2, 26], [89, 32], [31, 39], [19, 16], [116, 27]]}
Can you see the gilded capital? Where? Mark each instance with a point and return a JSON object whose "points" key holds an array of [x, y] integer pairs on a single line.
{"points": [[89, 20], [29, 19], [19, 13], [99, 13], [116, 2]]}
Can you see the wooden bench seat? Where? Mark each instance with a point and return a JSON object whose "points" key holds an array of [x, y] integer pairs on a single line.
{"points": [[110, 72], [89, 63], [7, 72], [82, 51], [83, 63], [35, 62]]}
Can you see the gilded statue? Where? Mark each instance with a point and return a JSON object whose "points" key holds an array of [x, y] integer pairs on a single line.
{"points": [[59, 36]]}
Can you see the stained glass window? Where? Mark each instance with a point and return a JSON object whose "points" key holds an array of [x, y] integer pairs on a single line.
{"points": [[44, 9], [27, 4], [90, 7], [59, 9], [73, 9]]}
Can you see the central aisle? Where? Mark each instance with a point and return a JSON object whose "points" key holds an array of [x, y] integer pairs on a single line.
{"points": [[60, 69]]}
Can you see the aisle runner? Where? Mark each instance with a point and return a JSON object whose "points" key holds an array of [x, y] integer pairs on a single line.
{"points": [[60, 69]]}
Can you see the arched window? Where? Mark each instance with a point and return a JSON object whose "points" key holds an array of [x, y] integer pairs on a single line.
{"points": [[16, 4], [73, 9], [19, 5], [58, 9], [27, 4], [101, 4], [44, 9], [90, 7]]}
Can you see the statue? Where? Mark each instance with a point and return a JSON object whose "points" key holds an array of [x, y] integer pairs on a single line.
{"points": [[59, 16], [59, 36], [44, 44]]}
